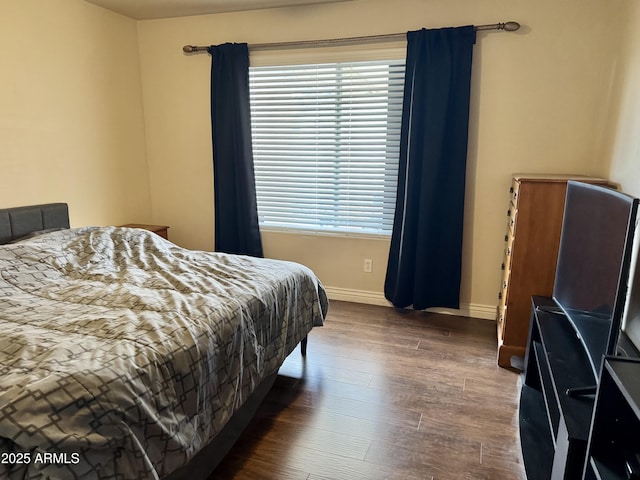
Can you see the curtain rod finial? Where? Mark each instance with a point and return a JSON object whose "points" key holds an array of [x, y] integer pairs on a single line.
{"points": [[194, 49], [511, 26]]}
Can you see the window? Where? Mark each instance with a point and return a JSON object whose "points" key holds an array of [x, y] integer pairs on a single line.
{"points": [[326, 144]]}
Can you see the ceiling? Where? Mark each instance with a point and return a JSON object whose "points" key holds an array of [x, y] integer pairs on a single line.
{"points": [[150, 9]]}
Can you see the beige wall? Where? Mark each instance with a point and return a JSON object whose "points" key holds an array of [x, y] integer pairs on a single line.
{"points": [[540, 100], [624, 125], [624, 122], [558, 96], [71, 119]]}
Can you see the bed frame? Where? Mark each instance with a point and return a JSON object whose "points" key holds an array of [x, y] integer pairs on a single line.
{"points": [[18, 222]]}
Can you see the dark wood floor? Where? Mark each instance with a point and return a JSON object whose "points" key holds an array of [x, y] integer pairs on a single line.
{"points": [[386, 395]]}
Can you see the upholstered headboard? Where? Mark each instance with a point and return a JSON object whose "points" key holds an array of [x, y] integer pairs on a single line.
{"points": [[20, 221]]}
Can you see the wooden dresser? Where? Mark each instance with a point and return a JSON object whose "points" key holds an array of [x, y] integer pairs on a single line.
{"points": [[534, 223]]}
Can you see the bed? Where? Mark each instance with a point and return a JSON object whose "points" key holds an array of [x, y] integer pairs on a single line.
{"points": [[124, 356]]}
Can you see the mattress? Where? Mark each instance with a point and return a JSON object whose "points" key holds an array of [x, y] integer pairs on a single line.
{"points": [[122, 354]]}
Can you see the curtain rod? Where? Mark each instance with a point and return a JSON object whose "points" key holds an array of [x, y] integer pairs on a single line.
{"points": [[508, 27]]}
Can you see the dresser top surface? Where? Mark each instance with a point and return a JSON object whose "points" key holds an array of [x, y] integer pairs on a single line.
{"points": [[533, 177]]}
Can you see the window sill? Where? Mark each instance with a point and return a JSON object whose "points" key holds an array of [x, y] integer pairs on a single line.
{"points": [[319, 233]]}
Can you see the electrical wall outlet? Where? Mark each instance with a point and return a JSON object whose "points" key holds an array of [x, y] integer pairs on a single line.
{"points": [[368, 265]]}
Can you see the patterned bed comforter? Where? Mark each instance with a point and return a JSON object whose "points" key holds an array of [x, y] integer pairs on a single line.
{"points": [[122, 354]]}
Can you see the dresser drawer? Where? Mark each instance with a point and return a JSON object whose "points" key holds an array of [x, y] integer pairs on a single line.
{"points": [[506, 258], [515, 191], [504, 290], [500, 316], [512, 213]]}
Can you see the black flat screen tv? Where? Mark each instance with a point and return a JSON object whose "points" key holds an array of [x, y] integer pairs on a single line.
{"points": [[593, 265]]}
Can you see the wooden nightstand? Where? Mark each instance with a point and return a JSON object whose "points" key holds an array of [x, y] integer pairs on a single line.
{"points": [[158, 229]]}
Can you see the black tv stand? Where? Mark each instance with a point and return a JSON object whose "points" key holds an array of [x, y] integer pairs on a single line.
{"points": [[578, 391], [556, 404], [614, 449], [550, 309]]}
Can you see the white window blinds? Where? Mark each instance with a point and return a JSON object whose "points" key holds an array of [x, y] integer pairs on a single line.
{"points": [[326, 145]]}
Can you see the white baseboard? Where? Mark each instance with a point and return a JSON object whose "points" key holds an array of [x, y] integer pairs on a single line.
{"points": [[487, 312]]}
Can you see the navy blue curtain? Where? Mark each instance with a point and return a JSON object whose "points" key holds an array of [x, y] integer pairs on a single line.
{"points": [[236, 213], [424, 266]]}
